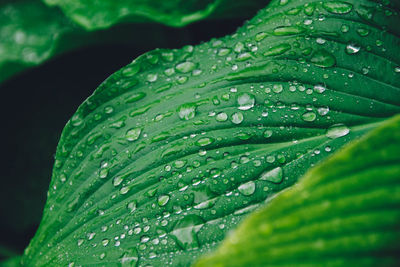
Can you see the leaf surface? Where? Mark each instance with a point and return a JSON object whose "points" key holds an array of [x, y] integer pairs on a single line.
{"points": [[173, 150], [344, 211]]}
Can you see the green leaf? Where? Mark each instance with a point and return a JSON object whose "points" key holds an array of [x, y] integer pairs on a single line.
{"points": [[102, 14], [343, 212], [173, 150]]}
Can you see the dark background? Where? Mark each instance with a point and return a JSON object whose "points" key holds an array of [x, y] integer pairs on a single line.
{"points": [[37, 104]]}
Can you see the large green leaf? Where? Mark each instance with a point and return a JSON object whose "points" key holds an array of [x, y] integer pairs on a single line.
{"points": [[101, 14], [344, 212], [173, 150]]}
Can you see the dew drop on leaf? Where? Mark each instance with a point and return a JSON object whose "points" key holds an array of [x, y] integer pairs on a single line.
{"points": [[185, 67], [309, 116], [245, 101], [338, 7], [163, 200], [336, 131], [133, 134], [352, 49], [187, 111], [275, 175], [247, 189]]}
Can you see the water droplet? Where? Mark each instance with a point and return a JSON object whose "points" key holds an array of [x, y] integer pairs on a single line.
{"points": [[309, 116], [338, 7], [187, 111], [277, 88], [362, 32], [185, 231], [248, 188], [243, 56], [152, 77], [397, 69], [185, 67], [163, 200], [319, 88], [336, 131], [76, 120], [352, 49], [278, 50], [237, 118], [323, 111], [274, 176], [131, 206], [245, 101], [117, 180], [205, 141], [288, 30], [323, 58], [133, 134], [267, 133], [105, 242], [131, 70], [124, 190], [260, 36], [221, 117], [224, 52]]}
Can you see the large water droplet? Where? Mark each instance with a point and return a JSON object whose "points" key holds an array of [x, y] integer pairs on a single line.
{"points": [[205, 141], [288, 30], [245, 101], [309, 116], [185, 231], [275, 175], [163, 200], [248, 188], [323, 58], [338, 7], [187, 111], [185, 67], [336, 131], [352, 49], [221, 117], [133, 134], [237, 118]]}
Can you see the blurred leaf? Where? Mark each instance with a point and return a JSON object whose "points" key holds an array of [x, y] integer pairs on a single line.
{"points": [[31, 32], [344, 212], [173, 150], [102, 14]]}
